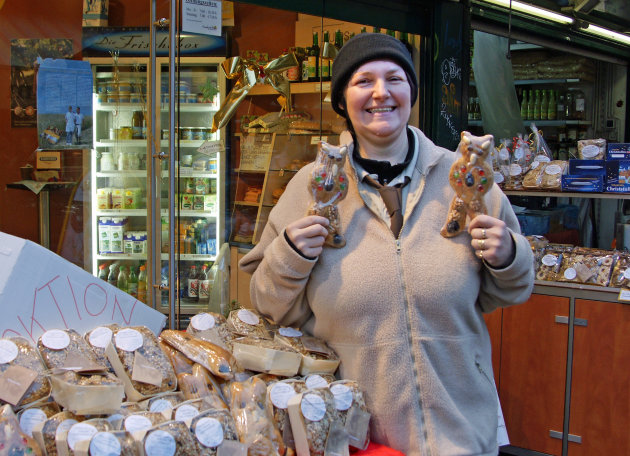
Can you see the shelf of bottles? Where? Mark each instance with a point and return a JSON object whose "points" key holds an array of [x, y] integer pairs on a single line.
{"points": [[119, 186]]}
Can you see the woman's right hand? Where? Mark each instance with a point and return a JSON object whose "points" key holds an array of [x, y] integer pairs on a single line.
{"points": [[308, 234]]}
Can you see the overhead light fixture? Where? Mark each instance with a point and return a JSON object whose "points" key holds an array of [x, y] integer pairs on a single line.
{"points": [[533, 10], [609, 34]]}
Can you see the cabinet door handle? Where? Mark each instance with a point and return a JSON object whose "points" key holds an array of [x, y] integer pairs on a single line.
{"points": [[564, 320], [572, 437]]}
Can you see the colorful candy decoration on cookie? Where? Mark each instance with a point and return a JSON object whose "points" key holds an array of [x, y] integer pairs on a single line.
{"points": [[329, 185], [471, 178]]}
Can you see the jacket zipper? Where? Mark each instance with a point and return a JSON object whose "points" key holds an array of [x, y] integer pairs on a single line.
{"points": [[413, 356], [483, 372]]}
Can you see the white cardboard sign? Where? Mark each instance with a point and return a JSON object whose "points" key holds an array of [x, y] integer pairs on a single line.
{"points": [[39, 290]]}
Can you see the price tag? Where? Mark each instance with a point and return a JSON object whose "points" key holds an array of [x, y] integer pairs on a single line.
{"points": [[624, 295], [144, 372], [211, 148], [14, 382]]}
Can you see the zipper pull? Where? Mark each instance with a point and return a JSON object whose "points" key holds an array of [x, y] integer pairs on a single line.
{"points": [[397, 245]]}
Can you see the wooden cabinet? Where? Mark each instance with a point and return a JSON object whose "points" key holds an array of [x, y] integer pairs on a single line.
{"points": [[600, 383], [533, 372], [268, 161], [563, 379]]}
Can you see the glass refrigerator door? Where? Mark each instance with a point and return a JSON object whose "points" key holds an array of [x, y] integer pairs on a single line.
{"points": [[198, 189], [119, 184]]}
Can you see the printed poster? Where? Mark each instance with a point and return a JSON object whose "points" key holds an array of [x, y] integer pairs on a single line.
{"points": [[64, 100], [24, 66]]}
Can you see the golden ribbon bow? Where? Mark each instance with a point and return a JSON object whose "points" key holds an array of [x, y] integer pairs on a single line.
{"points": [[248, 73]]}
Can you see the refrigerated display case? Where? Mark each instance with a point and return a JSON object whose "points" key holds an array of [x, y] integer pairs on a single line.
{"points": [[120, 210]]}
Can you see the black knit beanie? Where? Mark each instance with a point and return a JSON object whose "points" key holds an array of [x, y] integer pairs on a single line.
{"points": [[363, 48]]}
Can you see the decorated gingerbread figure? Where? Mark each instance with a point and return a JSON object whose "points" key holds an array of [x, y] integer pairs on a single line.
{"points": [[329, 185], [471, 177]]}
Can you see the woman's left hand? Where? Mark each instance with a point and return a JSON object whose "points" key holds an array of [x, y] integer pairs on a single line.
{"points": [[491, 241]]}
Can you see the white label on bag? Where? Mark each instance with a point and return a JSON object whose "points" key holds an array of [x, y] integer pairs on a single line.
{"points": [[209, 432], [31, 418], [105, 444], [498, 177], [248, 317], [504, 154], [535, 164], [135, 423], [64, 426], [590, 151], [56, 339], [290, 332], [515, 169], [549, 260], [160, 405], [100, 337], [79, 432], [570, 273], [542, 158], [280, 394], [316, 381], [202, 321], [553, 169], [8, 351], [343, 396], [186, 412], [128, 339], [626, 273], [160, 443], [313, 407], [518, 153]]}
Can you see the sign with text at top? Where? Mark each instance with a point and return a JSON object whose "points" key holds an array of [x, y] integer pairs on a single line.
{"points": [[40, 291], [201, 16]]}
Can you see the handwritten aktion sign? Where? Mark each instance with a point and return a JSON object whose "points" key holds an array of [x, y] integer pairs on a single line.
{"points": [[40, 291], [255, 152]]}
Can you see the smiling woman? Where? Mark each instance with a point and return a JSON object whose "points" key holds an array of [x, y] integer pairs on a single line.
{"points": [[421, 355]]}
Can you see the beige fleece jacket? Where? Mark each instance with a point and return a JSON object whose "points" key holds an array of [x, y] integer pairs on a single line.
{"points": [[405, 316]]}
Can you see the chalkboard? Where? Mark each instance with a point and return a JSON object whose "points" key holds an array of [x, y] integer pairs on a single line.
{"points": [[448, 74]]}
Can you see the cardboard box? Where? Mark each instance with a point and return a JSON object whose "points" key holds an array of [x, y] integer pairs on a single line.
{"points": [[39, 290], [48, 159], [618, 151], [587, 167], [579, 183], [617, 176]]}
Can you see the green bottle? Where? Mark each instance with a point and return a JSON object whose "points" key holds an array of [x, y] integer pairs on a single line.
{"points": [[544, 105], [132, 283], [552, 107], [122, 279], [325, 62], [524, 105], [313, 60]]}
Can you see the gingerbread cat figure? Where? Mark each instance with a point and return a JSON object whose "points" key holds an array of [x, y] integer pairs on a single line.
{"points": [[329, 185], [471, 178]]}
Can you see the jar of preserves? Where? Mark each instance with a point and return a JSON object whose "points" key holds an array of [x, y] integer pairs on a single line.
{"points": [[579, 102]]}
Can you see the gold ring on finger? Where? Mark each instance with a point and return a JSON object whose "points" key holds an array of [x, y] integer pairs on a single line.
{"points": [[483, 233], [482, 244], [481, 254]]}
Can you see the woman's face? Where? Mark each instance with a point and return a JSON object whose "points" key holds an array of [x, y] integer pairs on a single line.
{"points": [[378, 101]]}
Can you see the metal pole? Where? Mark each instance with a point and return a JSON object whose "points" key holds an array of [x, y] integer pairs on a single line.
{"points": [[172, 264]]}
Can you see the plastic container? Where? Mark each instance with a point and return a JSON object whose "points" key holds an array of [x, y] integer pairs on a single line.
{"points": [[107, 161]]}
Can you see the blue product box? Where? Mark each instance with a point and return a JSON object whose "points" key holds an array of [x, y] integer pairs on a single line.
{"points": [[618, 151], [580, 183], [617, 176], [587, 167]]}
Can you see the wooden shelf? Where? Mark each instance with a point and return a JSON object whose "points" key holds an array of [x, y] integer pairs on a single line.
{"points": [[566, 289], [296, 88], [544, 194]]}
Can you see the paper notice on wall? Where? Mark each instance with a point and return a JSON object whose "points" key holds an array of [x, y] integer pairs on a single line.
{"points": [[202, 16]]}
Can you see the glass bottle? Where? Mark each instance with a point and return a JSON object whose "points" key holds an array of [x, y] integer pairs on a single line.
{"points": [[102, 272], [132, 283], [339, 38], [524, 104], [530, 105], [325, 62], [477, 112], [579, 101], [122, 279], [142, 284], [569, 107], [560, 106], [544, 105], [112, 278], [313, 57], [551, 108], [536, 105]]}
